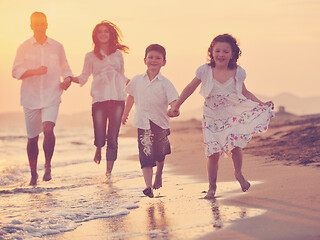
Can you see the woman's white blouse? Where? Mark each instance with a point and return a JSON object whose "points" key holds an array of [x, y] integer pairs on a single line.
{"points": [[109, 80]]}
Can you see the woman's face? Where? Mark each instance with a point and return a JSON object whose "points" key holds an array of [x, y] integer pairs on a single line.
{"points": [[103, 34], [222, 53]]}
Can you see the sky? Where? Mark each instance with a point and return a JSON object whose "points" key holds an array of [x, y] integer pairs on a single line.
{"points": [[279, 39]]}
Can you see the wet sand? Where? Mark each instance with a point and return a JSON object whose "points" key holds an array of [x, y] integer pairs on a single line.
{"points": [[282, 203]]}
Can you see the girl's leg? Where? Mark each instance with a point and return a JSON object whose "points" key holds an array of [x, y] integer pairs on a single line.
{"points": [[114, 113], [212, 168], [237, 163], [99, 118]]}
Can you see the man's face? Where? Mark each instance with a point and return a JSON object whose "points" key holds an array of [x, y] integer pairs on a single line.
{"points": [[39, 25]]}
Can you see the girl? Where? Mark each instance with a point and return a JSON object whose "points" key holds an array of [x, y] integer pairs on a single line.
{"points": [[231, 113], [105, 63]]}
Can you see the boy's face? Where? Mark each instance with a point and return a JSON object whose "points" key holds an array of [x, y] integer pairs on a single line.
{"points": [[154, 61]]}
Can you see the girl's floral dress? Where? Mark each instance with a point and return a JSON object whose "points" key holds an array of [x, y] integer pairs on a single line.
{"points": [[229, 118]]}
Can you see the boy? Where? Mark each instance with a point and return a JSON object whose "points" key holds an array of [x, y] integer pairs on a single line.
{"points": [[152, 93]]}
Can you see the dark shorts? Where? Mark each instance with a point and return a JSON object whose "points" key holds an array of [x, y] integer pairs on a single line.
{"points": [[153, 145]]}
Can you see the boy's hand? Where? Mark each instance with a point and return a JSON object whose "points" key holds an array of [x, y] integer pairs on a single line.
{"points": [[173, 113], [66, 83]]}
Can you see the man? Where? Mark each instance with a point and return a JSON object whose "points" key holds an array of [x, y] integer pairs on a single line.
{"points": [[40, 62]]}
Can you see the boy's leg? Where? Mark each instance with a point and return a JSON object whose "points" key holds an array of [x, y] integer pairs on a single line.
{"points": [[158, 178], [49, 141], [33, 151], [237, 163], [147, 175], [212, 169]]}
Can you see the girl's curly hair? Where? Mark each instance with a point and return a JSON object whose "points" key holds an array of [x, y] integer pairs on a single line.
{"points": [[236, 52]]}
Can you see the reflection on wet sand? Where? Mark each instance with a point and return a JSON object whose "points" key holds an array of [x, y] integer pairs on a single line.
{"points": [[178, 212]]}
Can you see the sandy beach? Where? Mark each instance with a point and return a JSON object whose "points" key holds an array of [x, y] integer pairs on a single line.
{"points": [[283, 202]]}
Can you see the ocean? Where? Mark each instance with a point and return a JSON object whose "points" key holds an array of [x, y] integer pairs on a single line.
{"points": [[80, 193]]}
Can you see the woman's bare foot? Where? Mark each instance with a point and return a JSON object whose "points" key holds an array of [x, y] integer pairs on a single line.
{"points": [[211, 192], [97, 156], [157, 181], [245, 185]]}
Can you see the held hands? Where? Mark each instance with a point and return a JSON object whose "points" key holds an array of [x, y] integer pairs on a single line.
{"points": [[173, 112], [66, 83]]}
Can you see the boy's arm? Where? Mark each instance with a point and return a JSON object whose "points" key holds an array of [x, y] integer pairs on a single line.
{"points": [[126, 111]]}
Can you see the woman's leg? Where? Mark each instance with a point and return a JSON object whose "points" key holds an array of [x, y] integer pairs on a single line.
{"points": [[114, 113], [237, 163], [212, 168], [99, 118]]}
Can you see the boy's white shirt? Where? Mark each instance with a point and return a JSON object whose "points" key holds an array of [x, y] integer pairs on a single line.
{"points": [[151, 99]]}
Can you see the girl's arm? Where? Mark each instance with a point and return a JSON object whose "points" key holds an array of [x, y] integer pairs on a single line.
{"points": [[252, 97], [187, 91], [126, 111]]}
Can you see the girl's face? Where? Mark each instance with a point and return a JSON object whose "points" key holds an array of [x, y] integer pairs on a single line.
{"points": [[222, 53], [103, 34]]}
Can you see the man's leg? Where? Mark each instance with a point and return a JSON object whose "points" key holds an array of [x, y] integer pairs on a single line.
{"points": [[33, 151], [49, 141]]}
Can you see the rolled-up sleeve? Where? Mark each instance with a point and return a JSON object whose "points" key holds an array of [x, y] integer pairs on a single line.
{"points": [[86, 70], [18, 68], [64, 65]]}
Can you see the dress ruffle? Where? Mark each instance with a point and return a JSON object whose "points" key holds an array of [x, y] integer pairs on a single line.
{"points": [[231, 121]]}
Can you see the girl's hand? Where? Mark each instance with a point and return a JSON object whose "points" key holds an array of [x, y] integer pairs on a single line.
{"points": [[124, 119], [270, 104]]}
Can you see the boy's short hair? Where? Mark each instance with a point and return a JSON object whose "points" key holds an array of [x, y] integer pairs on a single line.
{"points": [[156, 47]]}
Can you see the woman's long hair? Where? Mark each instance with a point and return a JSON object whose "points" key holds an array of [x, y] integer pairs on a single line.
{"points": [[114, 40]]}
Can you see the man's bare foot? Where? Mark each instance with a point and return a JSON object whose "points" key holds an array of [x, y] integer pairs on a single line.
{"points": [[97, 156], [47, 175], [148, 192], [211, 192], [245, 185], [157, 181], [34, 179]]}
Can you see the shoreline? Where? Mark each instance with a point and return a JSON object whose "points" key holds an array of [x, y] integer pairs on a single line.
{"points": [[287, 194]]}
